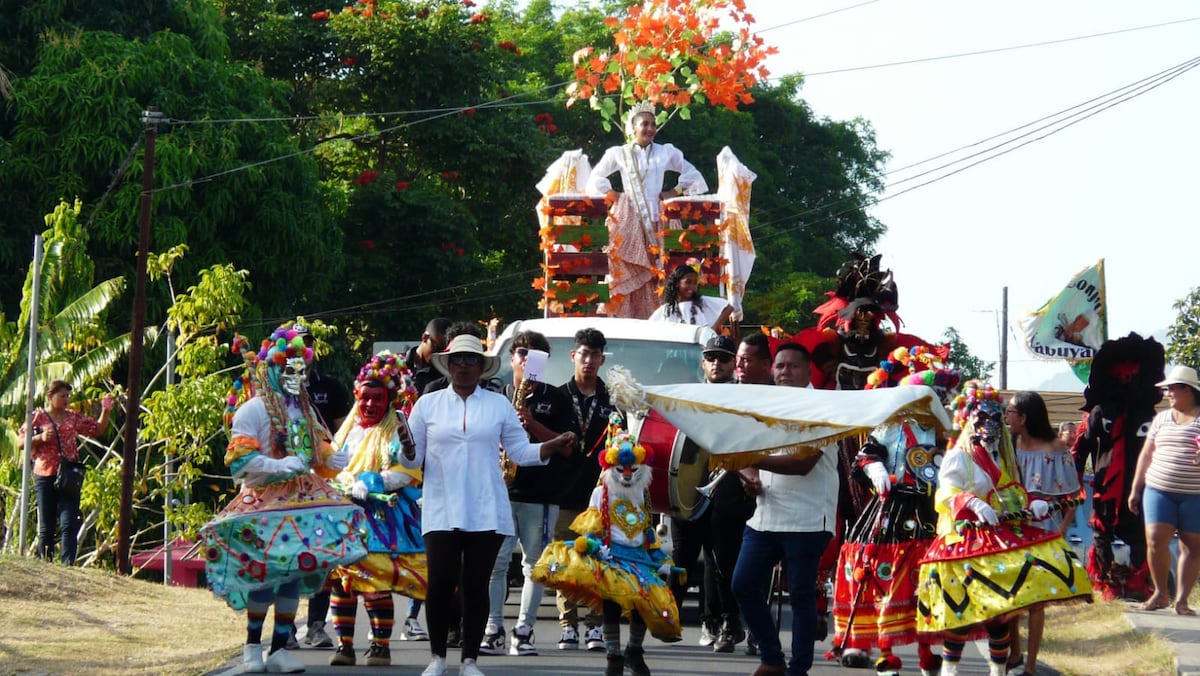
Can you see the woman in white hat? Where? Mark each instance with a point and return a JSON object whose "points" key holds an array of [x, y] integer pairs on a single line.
{"points": [[1166, 489], [457, 434]]}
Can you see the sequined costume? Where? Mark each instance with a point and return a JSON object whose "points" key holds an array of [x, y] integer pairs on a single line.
{"points": [[875, 590], [975, 574]]}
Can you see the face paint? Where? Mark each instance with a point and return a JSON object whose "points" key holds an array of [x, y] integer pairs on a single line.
{"points": [[372, 404], [295, 372]]}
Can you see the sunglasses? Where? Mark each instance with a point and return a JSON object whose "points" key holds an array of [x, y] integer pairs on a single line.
{"points": [[521, 352], [723, 358], [465, 360]]}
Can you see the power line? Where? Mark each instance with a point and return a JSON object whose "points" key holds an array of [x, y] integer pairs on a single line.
{"points": [[996, 50], [1140, 87], [818, 16]]}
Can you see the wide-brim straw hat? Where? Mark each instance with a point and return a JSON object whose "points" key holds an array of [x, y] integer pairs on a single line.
{"points": [[466, 344], [1184, 375]]}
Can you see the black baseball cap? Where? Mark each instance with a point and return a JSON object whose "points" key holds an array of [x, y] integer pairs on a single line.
{"points": [[721, 344]]}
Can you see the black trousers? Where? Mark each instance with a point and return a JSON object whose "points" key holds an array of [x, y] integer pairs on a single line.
{"points": [[451, 556]]}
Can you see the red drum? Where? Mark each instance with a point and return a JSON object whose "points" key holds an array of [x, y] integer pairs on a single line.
{"points": [[679, 468]]}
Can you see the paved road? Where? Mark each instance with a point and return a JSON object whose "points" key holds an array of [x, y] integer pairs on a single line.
{"points": [[678, 659]]}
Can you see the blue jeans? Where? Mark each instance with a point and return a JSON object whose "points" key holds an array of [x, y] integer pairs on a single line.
{"points": [[800, 553], [534, 524], [56, 513]]}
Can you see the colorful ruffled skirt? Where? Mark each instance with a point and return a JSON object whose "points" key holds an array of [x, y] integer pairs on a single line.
{"points": [[875, 589], [629, 578], [986, 573], [396, 550], [300, 530]]}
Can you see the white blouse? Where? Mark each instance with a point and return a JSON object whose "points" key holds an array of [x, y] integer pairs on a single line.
{"points": [[707, 313], [458, 441]]}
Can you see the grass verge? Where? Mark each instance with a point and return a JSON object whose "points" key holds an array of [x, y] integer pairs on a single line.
{"points": [[61, 620], [1096, 640]]}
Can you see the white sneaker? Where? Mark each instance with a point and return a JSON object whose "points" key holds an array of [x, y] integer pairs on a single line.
{"points": [[437, 667], [949, 668], [317, 637], [413, 631], [469, 668], [252, 659], [282, 662], [569, 640], [594, 638], [522, 641]]}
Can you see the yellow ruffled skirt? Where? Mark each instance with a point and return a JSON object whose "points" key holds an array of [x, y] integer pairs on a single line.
{"points": [[628, 578]]}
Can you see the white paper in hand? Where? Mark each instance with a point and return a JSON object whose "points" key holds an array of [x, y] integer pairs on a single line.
{"points": [[535, 365]]}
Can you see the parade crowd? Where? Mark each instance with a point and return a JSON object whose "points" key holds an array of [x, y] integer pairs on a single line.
{"points": [[957, 532]]}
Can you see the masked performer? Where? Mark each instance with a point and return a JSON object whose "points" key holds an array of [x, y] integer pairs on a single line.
{"points": [[372, 438], [1121, 397], [989, 558], [875, 592], [287, 528], [617, 565]]}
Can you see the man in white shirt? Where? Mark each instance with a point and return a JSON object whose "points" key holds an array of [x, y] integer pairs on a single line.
{"points": [[792, 524]]}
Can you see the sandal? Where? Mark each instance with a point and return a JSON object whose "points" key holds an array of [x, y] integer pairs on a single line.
{"points": [[1150, 607], [1183, 609]]}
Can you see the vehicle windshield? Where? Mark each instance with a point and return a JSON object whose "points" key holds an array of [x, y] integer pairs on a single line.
{"points": [[649, 362]]}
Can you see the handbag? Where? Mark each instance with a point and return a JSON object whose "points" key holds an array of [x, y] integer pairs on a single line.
{"points": [[68, 482]]}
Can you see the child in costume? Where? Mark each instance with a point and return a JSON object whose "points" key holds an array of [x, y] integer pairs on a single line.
{"points": [[287, 528], [372, 437], [617, 566], [875, 592], [989, 559]]}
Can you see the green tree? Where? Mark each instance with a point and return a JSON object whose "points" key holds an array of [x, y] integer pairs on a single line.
{"points": [[73, 340], [72, 129], [1183, 336], [968, 365]]}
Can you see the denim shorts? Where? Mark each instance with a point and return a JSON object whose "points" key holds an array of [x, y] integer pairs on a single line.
{"points": [[1181, 510]]}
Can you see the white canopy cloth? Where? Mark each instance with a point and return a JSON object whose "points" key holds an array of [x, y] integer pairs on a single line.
{"points": [[760, 419]]}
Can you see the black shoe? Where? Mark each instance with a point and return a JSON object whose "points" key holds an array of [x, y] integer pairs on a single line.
{"points": [[344, 656], [822, 632], [635, 659], [616, 666], [379, 655], [454, 638], [724, 642], [751, 645]]}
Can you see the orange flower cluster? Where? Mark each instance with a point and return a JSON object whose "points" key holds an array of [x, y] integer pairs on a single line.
{"points": [[666, 54], [692, 210], [558, 205]]}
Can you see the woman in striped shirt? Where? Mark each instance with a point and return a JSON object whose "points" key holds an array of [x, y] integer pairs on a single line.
{"points": [[1166, 489]]}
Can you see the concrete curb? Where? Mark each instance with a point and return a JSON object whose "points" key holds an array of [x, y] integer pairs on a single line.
{"points": [[1181, 633]]}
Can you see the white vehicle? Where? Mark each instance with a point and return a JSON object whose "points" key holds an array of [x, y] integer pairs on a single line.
{"points": [[656, 353]]}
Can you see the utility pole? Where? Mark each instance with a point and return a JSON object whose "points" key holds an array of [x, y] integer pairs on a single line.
{"points": [[1004, 340], [151, 117], [31, 364]]}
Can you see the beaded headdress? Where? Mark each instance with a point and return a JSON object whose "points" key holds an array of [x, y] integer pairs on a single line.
{"points": [[975, 394], [390, 371]]}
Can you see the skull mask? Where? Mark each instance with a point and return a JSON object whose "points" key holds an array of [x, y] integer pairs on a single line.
{"points": [[293, 376]]}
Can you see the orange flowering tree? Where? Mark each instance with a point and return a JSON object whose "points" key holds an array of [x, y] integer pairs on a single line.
{"points": [[674, 53]]}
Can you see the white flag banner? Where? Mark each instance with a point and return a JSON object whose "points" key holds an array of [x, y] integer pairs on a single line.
{"points": [[737, 247], [1073, 324], [756, 419]]}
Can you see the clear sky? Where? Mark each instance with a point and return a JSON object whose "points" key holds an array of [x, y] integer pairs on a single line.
{"points": [[1119, 185]]}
